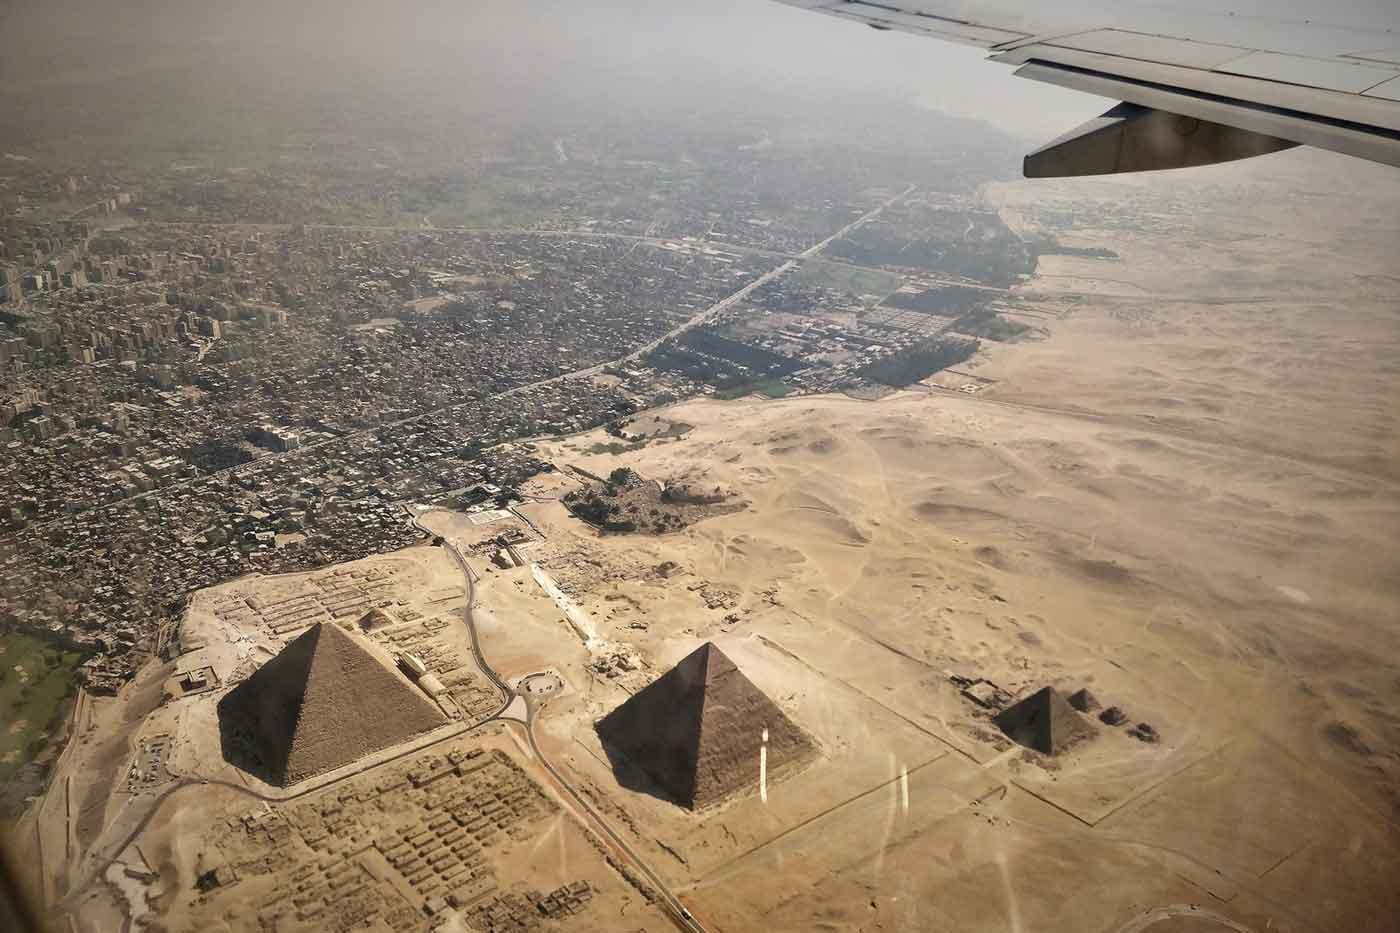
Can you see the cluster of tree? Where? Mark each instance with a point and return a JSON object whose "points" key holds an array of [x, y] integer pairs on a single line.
{"points": [[949, 301], [669, 357], [756, 360], [624, 501], [715, 360], [918, 363], [985, 322], [597, 510], [976, 246], [214, 455], [1049, 246], [621, 478]]}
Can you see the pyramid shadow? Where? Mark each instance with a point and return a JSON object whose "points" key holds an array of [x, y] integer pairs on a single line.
{"points": [[632, 776], [239, 748]]}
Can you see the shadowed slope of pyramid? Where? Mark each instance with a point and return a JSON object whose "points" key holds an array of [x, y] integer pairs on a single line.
{"points": [[1043, 721], [327, 699], [1084, 700], [698, 729]]}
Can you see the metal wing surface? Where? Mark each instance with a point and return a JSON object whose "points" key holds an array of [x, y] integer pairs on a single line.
{"points": [[1199, 82]]}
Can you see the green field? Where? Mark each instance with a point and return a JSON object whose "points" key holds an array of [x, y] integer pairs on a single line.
{"points": [[615, 448], [853, 280], [36, 677], [771, 388]]}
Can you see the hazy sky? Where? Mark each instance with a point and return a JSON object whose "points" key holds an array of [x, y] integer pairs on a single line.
{"points": [[653, 41]]}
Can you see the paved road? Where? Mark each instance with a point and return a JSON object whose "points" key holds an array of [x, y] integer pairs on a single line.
{"points": [[672, 904], [669, 901], [678, 912], [507, 693], [728, 301], [1161, 914]]}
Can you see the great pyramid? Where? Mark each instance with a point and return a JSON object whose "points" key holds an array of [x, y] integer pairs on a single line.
{"points": [[698, 729], [1043, 721], [327, 699]]}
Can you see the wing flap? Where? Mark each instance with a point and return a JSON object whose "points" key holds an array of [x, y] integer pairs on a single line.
{"points": [[1318, 102], [1367, 142], [1330, 80], [1130, 138]]}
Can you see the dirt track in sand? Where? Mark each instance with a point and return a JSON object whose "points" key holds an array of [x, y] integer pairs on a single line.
{"points": [[1184, 498]]}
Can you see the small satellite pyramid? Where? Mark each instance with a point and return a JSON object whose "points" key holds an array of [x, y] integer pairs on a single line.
{"points": [[699, 730], [327, 699], [375, 619], [1084, 701], [1043, 721]]}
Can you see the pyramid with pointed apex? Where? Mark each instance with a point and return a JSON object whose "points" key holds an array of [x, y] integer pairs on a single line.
{"points": [[1084, 701], [327, 699], [699, 729], [1043, 721], [375, 619]]}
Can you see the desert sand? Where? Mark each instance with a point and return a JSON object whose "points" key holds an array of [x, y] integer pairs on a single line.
{"points": [[1182, 494]]}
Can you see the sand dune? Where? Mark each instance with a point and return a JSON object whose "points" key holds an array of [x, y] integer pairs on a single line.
{"points": [[1186, 497]]}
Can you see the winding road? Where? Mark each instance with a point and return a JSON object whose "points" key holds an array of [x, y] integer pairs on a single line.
{"points": [[667, 898], [677, 911], [1160, 914]]}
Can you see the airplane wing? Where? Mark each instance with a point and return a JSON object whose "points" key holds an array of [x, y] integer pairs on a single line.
{"points": [[1200, 81]]}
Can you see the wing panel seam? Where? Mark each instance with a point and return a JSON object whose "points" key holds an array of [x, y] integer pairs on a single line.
{"points": [[1337, 122]]}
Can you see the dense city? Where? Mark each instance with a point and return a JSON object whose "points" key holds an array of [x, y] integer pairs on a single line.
{"points": [[189, 401], [646, 466], [242, 348]]}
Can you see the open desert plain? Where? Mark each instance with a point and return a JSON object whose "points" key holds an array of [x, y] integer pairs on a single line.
{"points": [[1096, 631], [1183, 497]]}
